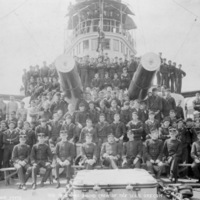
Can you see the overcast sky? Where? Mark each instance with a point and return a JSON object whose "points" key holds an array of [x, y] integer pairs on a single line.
{"points": [[34, 32]]}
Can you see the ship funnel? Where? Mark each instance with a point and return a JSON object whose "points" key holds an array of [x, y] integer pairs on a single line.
{"points": [[143, 76], [69, 78]]}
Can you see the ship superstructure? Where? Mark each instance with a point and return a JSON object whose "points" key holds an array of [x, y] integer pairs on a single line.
{"points": [[100, 25]]}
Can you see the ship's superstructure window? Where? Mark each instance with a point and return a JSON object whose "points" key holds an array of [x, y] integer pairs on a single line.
{"points": [[79, 48], [108, 29], [116, 45], [107, 43], [122, 47], [94, 44], [85, 45]]}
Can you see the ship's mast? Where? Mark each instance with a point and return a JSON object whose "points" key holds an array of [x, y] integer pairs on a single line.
{"points": [[101, 2]]}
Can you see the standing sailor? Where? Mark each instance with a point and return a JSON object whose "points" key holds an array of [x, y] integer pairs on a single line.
{"points": [[179, 76]]}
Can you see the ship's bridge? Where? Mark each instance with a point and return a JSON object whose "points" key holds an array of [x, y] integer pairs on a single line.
{"points": [[85, 18]]}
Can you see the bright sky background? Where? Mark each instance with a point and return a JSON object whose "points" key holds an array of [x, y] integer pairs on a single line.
{"points": [[34, 32]]}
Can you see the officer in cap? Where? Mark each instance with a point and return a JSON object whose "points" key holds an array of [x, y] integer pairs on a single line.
{"points": [[41, 157], [89, 152], [172, 151], [64, 156], [20, 158]]}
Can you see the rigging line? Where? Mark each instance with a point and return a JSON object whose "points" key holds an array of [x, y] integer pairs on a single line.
{"points": [[29, 33], [12, 11], [185, 9], [56, 15], [141, 29], [186, 36]]}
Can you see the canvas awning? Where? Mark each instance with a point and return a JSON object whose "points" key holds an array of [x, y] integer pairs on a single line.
{"points": [[129, 23], [92, 3]]}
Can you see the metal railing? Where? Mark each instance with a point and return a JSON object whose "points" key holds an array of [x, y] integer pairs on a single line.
{"points": [[109, 25]]}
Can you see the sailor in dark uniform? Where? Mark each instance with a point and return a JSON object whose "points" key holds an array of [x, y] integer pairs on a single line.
{"points": [[20, 158], [132, 152], [196, 102], [10, 139], [135, 126], [179, 76], [170, 103], [153, 153], [41, 156], [89, 152], [164, 70], [110, 153], [155, 103], [195, 154], [132, 66], [172, 70], [151, 124], [172, 151], [64, 156], [171, 75], [125, 79]]}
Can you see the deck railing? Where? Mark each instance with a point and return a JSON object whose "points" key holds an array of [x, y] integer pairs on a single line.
{"points": [[109, 25]]}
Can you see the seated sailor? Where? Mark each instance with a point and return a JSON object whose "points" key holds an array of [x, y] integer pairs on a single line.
{"points": [[89, 152], [20, 158], [153, 153], [132, 152], [64, 155], [195, 154], [41, 157], [110, 153], [172, 151]]}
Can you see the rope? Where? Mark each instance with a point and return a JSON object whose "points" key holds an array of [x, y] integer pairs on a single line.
{"points": [[186, 36], [29, 33], [12, 11], [185, 9]]}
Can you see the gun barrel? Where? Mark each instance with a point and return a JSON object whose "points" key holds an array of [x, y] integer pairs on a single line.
{"points": [[69, 78], [143, 77]]}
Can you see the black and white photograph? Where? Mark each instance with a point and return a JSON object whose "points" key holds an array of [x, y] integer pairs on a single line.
{"points": [[99, 99]]}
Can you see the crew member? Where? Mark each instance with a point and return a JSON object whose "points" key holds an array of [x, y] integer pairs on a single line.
{"points": [[41, 156], [153, 153], [20, 158], [110, 153], [179, 76], [195, 154], [196, 102], [10, 139], [132, 152], [64, 156], [89, 152], [172, 150]]}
